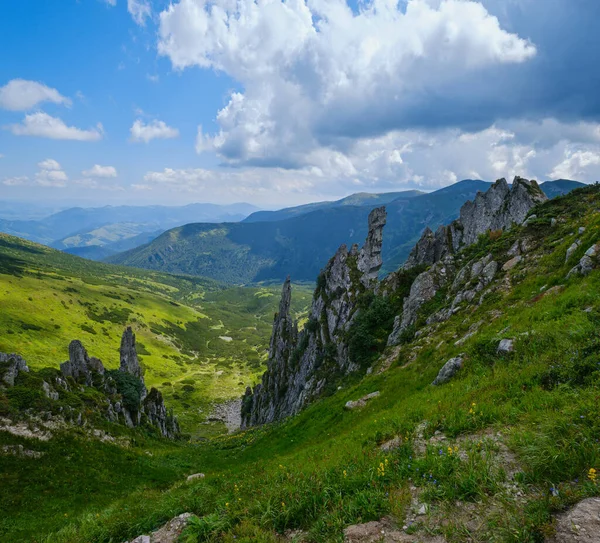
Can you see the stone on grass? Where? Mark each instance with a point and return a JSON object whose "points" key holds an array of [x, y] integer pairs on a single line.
{"points": [[512, 263], [449, 370], [580, 524], [506, 346], [195, 476], [357, 404]]}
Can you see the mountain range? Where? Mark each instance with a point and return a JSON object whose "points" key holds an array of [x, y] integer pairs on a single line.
{"points": [[109, 227], [268, 246]]}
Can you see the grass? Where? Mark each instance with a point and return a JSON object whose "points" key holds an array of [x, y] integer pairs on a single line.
{"points": [[323, 469]]}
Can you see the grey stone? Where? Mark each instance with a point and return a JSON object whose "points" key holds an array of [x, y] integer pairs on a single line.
{"points": [[11, 365], [369, 258], [449, 370], [580, 524], [49, 392], [510, 264], [360, 403], [572, 249], [506, 346], [195, 476], [128, 355], [587, 262], [581, 230], [154, 408], [79, 366]]}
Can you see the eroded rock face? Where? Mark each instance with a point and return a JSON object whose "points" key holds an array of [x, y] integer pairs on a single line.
{"points": [[154, 408], [497, 209], [129, 359], [302, 366], [10, 366]]}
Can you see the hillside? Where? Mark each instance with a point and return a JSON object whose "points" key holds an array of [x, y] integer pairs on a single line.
{"points": [[200, 343], [497, 453], [300, 246]]}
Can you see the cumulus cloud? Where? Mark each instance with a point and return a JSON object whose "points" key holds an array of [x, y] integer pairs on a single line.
{"points": [[153, 130], [21, 95], [577, 164], [49, 164], [45, 126], [15, 181], [100, 171], [140, 10], [317, 74]]}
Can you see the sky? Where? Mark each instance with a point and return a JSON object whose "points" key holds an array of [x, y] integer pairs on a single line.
{"points": [[285, 102]]}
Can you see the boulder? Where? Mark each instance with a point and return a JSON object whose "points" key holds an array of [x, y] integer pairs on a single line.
{"points": [[195, 476], [510, 264], [449, 370], [506, 346], [169, 533]]}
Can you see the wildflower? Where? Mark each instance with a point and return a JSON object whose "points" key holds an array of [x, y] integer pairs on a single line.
{"points": [[450, 451], [592, 475], [226, 504], [283, 504], [345, 473]]}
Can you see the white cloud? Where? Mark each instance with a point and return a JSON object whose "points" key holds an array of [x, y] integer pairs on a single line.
{"points": [[153, 130], [21, 95], [111, 3], [15, 181], [577, 164], [100, 171], [51, 177], [94, 184], [139, 10], [49, 164], [318, 74], [45, 126]]}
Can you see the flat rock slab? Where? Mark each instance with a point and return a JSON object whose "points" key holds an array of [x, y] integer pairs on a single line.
{"points": [[580, 524], [383, 531], [357, 404]]}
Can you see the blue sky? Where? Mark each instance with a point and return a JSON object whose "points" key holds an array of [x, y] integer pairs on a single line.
{"points": [[277, 103]]}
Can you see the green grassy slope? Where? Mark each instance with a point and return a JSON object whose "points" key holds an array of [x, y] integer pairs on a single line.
{"points": [[198, 342], [324, 470]]}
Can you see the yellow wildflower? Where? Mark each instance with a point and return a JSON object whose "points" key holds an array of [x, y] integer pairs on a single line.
{"points": [[592, 475]]}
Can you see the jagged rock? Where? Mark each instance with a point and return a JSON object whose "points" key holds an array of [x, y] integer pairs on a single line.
{"points": [[581, 524], [369, 259], [497, 209], [10, 366], [506, 346], [129, 359], [49, 392], [587, 262], [449, 370], [301, 365], [510, 264], [423, 289], [154, 408], [80, 366], [357, 404]]}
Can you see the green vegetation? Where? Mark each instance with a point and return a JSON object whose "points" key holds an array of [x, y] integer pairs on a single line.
{"points": [[324, 469], [49, 298]]}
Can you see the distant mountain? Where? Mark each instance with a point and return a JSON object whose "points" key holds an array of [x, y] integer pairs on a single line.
{"points": [[560, 187], [100, 252], [301, 243], [358, 199], [101, 226]]}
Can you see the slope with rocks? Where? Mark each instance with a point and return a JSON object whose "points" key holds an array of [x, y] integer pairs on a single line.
{"points": [[302, 366]]}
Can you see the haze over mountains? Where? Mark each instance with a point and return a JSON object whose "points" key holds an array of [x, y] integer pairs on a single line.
{"points": [[268, 246], [98, 232]]}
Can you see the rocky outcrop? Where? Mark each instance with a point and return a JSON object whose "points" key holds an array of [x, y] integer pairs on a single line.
{"points": [[497, 209], [303, 366], [154, 408], [169, 533], [449, 370], [10, 366], [361, 402], [580, 524], [587, 262], [129, 359], [80, 366]]}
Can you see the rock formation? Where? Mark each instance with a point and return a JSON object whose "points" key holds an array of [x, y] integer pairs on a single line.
{"points": [[154, 408], [129, 359], [497, 209], [80, 366], [303, 366], [10, 366]]}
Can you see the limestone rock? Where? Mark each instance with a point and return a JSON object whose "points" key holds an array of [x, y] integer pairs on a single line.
{"points": [[195, 476], [154, 408], [10, 366], [169, 533], [506, 346], [391, 445], [581, 524], [587, 262], [572, 249], [449, 370], [49, 392]]}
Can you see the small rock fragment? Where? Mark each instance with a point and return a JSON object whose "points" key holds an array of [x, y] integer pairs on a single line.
{"points": [[506, 346]]}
